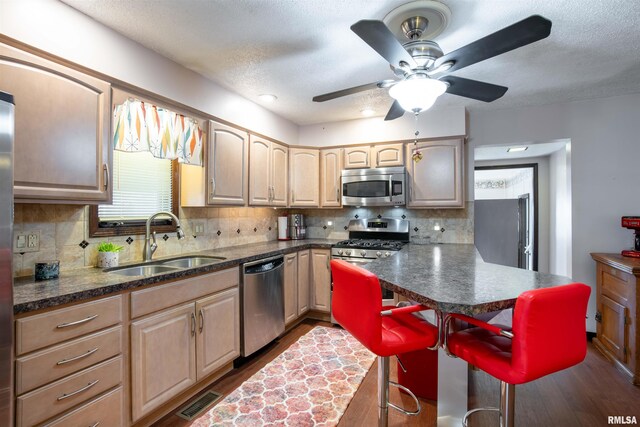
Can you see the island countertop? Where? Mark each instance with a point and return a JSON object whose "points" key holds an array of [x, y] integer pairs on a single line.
{"points": [[453, 278]]}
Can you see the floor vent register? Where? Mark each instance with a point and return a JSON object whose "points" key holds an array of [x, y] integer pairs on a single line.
{"points": [[198, 406]]}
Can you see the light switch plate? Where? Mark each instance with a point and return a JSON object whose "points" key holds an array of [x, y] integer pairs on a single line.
{"points": [[26, 241], [198, 228]]}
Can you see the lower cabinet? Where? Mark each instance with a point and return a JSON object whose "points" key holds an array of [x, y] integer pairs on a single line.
{"points": [[172, 350], [320, 280], [296, 285]]}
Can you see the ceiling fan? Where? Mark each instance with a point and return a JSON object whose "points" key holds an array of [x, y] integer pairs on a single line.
{"points": [[422, 67]]}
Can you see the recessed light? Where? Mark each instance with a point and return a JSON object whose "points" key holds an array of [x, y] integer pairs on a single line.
{"points": [[367, 112], [516, 149], [267, 97]]}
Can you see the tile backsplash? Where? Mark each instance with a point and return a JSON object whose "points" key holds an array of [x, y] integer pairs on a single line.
{"points": [[64, 230]]}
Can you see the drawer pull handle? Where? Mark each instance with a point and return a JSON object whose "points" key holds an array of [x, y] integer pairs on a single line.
{"points": [[73, 393], [82, 356], [96, 424], [77, 322]]}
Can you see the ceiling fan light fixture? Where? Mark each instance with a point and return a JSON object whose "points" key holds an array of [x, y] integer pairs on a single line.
{"points": [[417, 94]]}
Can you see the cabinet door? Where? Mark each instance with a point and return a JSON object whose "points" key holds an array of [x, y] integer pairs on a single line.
{"points": [[437, 179], [304, 174], [163, 358], [303, 282], [227, 165], [62, 121], [356, 157], [330, 169], [259, 172], [290, 288], [387, 155], [279, 175], [218, 339], [612, 329], [321, 280]]}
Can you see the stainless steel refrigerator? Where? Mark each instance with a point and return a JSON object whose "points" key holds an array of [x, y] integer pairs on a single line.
{"points": [[6, 263]]}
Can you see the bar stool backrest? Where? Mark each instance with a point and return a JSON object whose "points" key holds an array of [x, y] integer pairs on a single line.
{"points": [[356, 302], [549, 329]]}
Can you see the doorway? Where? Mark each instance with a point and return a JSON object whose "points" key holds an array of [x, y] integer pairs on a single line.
{"points": [[506, 214]]}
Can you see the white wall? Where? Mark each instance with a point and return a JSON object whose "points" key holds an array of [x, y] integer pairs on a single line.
{"points": [[604, 170], [543, 200], [61, 30], [560, 212], [434, 123]]}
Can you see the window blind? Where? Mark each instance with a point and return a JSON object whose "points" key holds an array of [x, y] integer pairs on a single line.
{"points": [[141, 187]]}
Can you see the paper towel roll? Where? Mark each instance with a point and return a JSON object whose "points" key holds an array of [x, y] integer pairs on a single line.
{"points": [[283, 228]]}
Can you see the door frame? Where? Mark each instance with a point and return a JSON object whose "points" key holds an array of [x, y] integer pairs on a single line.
{"points": [[534, 166]]}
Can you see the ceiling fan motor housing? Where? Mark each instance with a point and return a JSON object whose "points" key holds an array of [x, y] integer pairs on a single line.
{"points": [[424, 52]]}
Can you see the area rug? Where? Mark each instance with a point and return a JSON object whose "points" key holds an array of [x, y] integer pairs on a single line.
{"points": [[310, 384]]}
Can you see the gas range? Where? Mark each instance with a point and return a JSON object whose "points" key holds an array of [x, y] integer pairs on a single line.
{"points": [[372, 238]]}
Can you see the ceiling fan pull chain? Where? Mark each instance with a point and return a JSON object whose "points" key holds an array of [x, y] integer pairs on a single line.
{"points": [[417, 155]]}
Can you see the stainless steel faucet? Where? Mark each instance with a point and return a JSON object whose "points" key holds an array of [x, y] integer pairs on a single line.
{"points": [[149, 249]]}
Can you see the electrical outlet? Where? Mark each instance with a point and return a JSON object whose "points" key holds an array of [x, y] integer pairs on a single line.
{"points": [[198, 228], [26, 242]]}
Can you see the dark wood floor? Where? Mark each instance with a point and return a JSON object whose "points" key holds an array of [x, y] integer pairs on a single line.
{"points": [[582, 396]]}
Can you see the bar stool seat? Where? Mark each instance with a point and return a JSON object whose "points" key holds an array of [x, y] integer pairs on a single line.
{"points": [[386, 331], [548, 335]]}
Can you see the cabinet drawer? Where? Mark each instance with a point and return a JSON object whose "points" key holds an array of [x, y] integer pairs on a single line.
{"points": [[35, 332], [160, 297], [43, 403], [49, 365], [615, 284], [105, 411]]}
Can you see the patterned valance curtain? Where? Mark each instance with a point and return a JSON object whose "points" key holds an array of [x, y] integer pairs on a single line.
{"points": [[141, 126]]}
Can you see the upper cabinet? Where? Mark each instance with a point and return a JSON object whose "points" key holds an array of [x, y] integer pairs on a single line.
{"points": [[304, 172], [267, 173], [330, 171], [356, 157], [387, 155], [374, 156], [227, 166], [62, 130], [224, 179], [436, 181]]}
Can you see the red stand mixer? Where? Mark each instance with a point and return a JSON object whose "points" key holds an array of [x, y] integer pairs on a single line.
{"points": [[632, 223]]}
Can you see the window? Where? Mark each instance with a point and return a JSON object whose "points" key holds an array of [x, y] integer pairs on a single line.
{"points": [[142, 186]]}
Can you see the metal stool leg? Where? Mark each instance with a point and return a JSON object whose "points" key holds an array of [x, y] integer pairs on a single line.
{"points": [[383, 391], [507, 406]]}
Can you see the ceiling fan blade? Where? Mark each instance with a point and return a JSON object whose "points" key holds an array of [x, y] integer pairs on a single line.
{"points": [[382, 40], [352, 90], [395, 111], [520, 34], [473, 89]]}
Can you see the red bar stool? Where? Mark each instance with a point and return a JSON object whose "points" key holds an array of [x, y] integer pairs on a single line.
{"points": [[386, 331], [548, 335]]}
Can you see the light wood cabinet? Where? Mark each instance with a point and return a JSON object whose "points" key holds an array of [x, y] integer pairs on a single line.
{"points": [[268, 166], [304, 172], [436, 181], [218, 338], [175, 347], [163, 361], [107, 410], [617, 291], [62, 130], [387, 155], [356, 157], [303, 281], [224, 179], [330, 171], [290, 288], [320, 280]]}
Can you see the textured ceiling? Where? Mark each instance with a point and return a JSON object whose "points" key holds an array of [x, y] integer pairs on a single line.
{"points": [[296, 49]]}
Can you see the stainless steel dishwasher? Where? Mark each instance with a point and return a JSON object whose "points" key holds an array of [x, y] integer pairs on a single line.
{"points": [[262, 296]]}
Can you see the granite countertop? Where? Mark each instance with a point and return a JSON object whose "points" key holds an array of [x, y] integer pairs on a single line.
{"points": [[454, 278], [81, 284]]}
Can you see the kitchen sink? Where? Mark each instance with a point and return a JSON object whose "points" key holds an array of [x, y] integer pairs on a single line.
{"points": [[192, 261], [144, 270]]}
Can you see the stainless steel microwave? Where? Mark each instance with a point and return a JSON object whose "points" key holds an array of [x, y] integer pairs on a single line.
{"points": [[374, 187]]}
